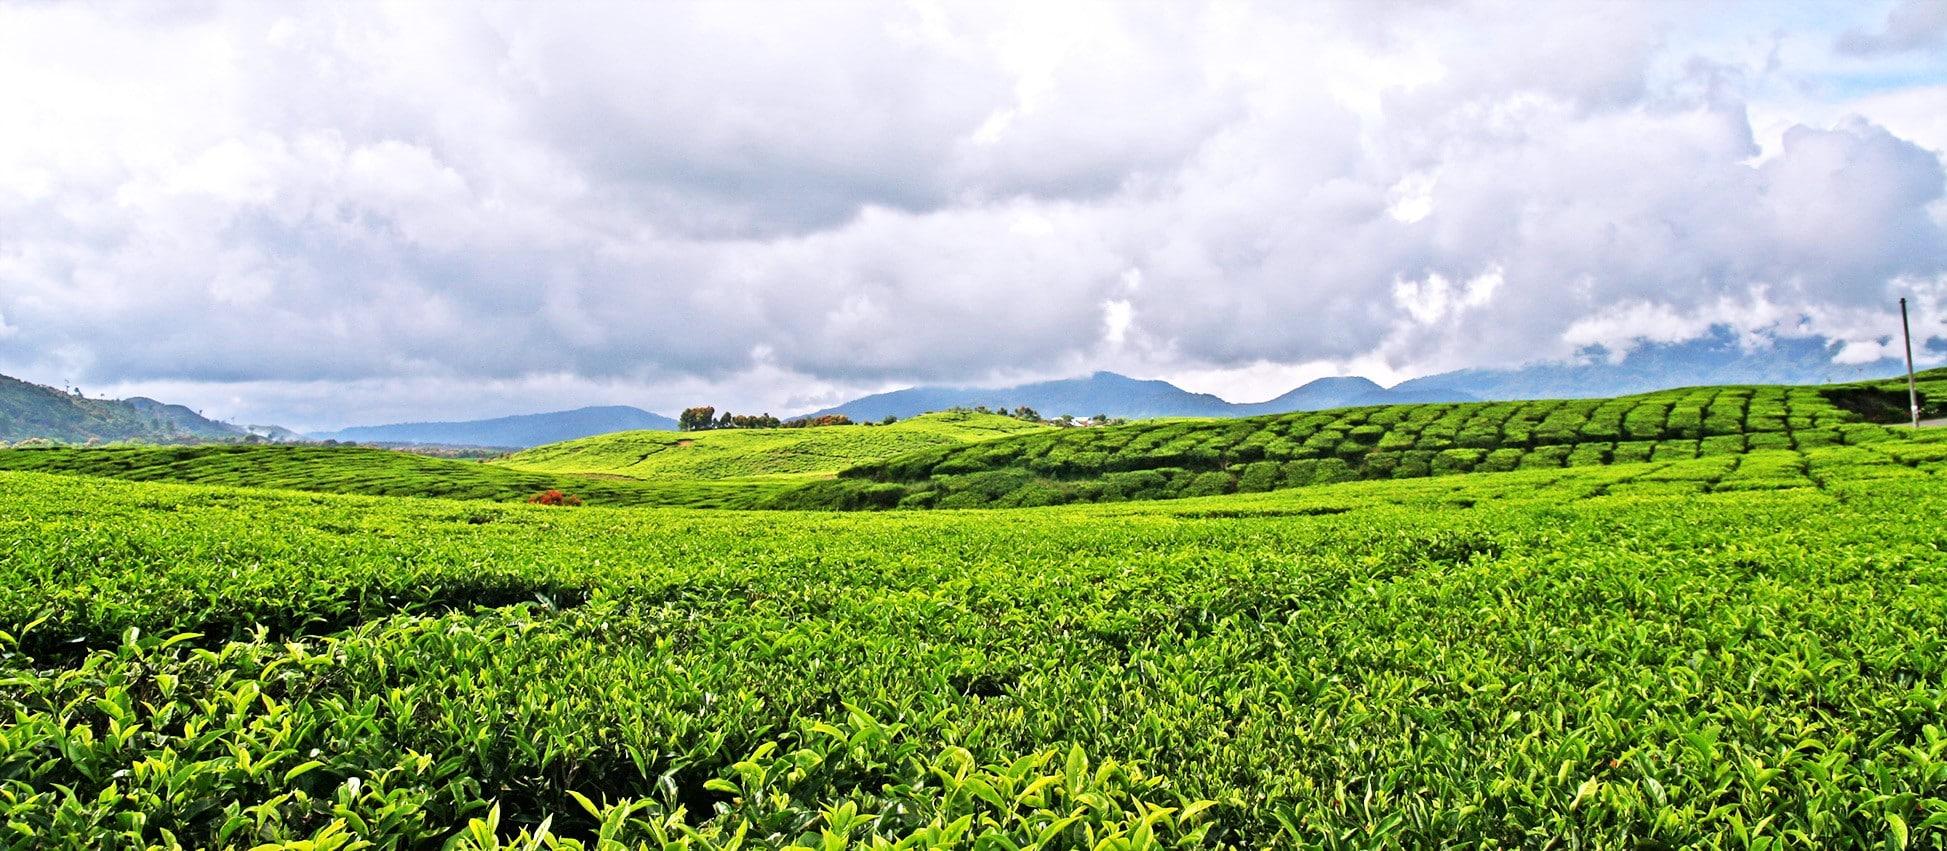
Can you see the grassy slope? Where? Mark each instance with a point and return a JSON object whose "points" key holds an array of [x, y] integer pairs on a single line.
{"points": [[749, 453], [722, 469], [1931, 384], [1168, 459], [359, 470], [991, 461], [30, 410], [1584, 657]]}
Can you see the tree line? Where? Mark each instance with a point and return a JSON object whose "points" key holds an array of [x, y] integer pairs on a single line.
{"points": [[706, 418], [1028, 414]]}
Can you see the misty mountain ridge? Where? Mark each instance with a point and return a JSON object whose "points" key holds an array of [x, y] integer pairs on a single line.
{"points": [[519, 431], [1118, 395], [1345, 392], [29, 410], [1099, 393], [1717, 358]]}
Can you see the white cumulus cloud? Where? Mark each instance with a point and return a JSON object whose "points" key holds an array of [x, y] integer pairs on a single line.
{"points": [[328, 213]]}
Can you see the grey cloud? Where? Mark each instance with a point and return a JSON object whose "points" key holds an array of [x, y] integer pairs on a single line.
{"points": [[327, 207], [1911, 25], [732, 120]]}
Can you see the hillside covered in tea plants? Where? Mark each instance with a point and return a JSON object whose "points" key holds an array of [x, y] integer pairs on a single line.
{"points": [[723, 469], [971, 460], [1181, 458], [30, 411], [1729, 650], [368, 471], [747, 453]]}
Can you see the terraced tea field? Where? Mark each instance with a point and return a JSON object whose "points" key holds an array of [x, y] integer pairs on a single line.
{"points": [[1172, 459], [964, 460], [716, 469], [1718, 651], [1705, 618], [762, 453], [374, 472]]}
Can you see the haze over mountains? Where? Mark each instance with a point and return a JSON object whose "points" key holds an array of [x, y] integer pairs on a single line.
{"points": [[30, 410], [1718, 358], [329, 215], [519, 431], [1715, 359], [1121, 396]]}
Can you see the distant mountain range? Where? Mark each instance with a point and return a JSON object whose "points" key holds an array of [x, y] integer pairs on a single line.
{"points": [[1101, 393], [520, 431], [1121, 396], [29, 410], [1344, 392], [1715, 359], [1718, 358]]}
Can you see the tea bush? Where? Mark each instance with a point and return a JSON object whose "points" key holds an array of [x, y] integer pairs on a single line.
{"points": [[1734, 650]]}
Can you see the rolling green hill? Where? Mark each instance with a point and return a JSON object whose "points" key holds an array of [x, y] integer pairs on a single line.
{"points": [[1593, 657], [518, 431], [29, 411], [968, 460], [1407, 660], [713, 469], [757, 453], [1169, 459], [361, 470]]}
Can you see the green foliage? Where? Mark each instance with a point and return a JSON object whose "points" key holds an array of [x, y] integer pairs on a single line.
{"points": [[732, 468], [700, 418], [1501, 460], [1456, 461], [1737, 650], [374, 472], [768, 421], [1259, 476], [746, 453], [1216, 456], [31, 411]]}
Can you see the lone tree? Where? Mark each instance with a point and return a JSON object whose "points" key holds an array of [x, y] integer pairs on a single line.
{"points": [[697, 419]]}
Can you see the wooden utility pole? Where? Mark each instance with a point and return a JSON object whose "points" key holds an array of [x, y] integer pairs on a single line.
{"points": [[1912, 396]]}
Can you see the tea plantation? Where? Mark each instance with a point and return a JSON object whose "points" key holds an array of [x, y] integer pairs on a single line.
{"points": [[375, 472], [1710, 618], [967, 460], [767, 452], [1168, 459], [1719, 651], [735, 468]]}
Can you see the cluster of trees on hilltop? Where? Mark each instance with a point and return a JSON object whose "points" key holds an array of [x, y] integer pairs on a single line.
{"points": [[828, 420], [1031, 415], [122, 442], [706, 418]]}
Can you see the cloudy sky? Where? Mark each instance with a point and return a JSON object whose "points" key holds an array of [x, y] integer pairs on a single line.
{"points": [[334, 213]]}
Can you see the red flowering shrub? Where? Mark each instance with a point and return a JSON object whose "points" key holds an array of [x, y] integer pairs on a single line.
{"points": [[554, 497]]}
